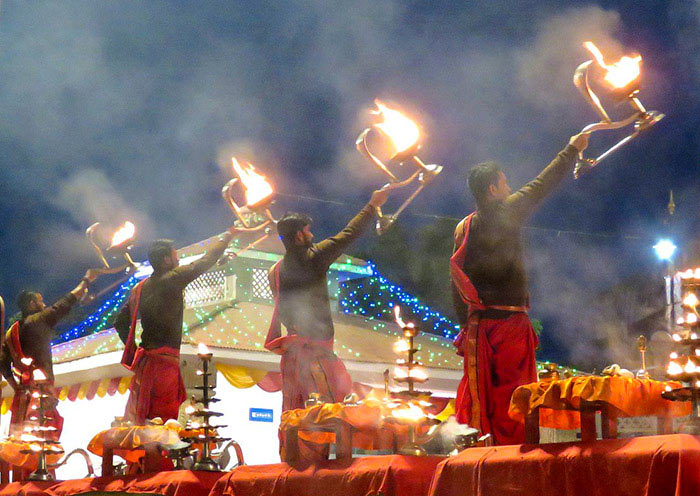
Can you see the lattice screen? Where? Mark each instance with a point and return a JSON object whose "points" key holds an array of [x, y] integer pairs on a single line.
{"points": [[261, 285], [210, 288]]}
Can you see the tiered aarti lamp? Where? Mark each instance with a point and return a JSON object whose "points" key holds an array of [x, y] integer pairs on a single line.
{"points": [[684, 364], [205, 461], [38, 432], [406, 408]]}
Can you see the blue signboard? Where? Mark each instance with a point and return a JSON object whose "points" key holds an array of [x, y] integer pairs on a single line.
{"points": [[260, 415]]}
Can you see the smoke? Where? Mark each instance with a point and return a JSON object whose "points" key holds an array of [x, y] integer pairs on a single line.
{"points": [[132, 109]]}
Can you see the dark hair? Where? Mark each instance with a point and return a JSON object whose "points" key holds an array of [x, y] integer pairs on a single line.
{"points": [[24, 300], [159, 251], [481, 176], [289, 225]]}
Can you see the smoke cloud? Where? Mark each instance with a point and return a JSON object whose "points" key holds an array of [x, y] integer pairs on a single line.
{"points": [[132, 109]]}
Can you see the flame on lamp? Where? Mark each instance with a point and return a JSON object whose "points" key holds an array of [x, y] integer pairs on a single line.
{"points": [[400, 373], [401, 346], [690, 367], [410, 412], [691, 318], [256, 186], [691, 300], [399, 320], [674, 368], [622, 72], [123, 234], [401, 130], [418, 373], [26, 361], [203, 349], [39, 375]]}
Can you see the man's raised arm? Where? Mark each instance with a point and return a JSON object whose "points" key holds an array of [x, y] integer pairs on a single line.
{"points": [[526, 200], [328, 250]]}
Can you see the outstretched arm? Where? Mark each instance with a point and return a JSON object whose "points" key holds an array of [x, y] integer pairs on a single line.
{"points": [[524, 201], [188, 273], [51, 315], [327, 251]]}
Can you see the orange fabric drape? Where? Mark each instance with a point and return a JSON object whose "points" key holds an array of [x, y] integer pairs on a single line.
{"points": [[126, 441], [632, 397]]}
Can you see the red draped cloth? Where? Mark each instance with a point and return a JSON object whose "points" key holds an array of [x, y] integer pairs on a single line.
{"points": [[157, 389], [392, 475], [307, 365], [173, 483], [499, 356], [642, 466]]}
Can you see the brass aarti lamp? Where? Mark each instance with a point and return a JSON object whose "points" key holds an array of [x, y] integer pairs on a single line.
{"points": [[254, 216], [403, 136], [621, 79]]}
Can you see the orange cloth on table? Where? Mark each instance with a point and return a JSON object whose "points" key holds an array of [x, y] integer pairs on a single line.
{"points": [[127, 441], [366, 419], [391, 475], [10, 453], [641, 466], [26, 488], [632, 397]]}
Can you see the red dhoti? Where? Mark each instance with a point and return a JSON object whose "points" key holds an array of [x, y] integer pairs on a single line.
{"points": [[157, 389], [309, 366], [499, 356]]}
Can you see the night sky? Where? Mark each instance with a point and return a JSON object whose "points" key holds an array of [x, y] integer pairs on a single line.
{"points": [[132, 109]]}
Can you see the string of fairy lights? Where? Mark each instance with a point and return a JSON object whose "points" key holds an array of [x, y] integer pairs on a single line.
{"points": [[370, 296]]}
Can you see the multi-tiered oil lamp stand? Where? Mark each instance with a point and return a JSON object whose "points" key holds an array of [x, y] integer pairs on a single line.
{"points": [[684, 364], [205, 461]]}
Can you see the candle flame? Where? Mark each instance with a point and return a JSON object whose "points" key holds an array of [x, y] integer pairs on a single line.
{"points": [[400, 373], [123, 234], [690, 367], [622, 72], [691, 318], [401, 130], [256, 186], [203, 349]]}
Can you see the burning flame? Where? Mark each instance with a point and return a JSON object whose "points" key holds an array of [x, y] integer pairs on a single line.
{"points": [[39, 375], [401, 346], [410, 412], [401, 130], [399, 320], [400, 373], [203, 349], [622, 72], [674, 368], [123, 234], [690, 300], [691, 318], [256, 186], [418, 373], [690, 367]]}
